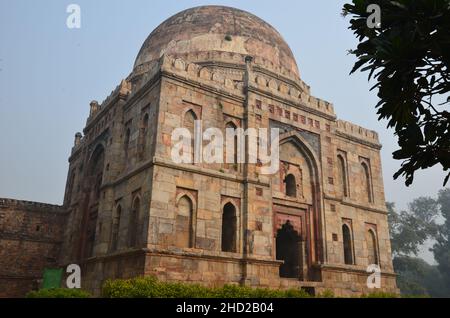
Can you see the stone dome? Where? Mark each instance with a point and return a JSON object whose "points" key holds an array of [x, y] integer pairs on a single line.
{"points": [[217, 28]]}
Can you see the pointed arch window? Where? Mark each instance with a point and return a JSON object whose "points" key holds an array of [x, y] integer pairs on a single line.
{"points": [[189, 122], [372, 247], [133, 230], [367, 182], [229, 228], [143, 136], [234, 148], [184, 232], [115, 229], [91, 233], [291, 186], [342, 175], [348, 244]]}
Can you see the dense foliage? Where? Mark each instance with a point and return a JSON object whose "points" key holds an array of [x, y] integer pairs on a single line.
{"points": [[411, 229], [441, 248], [150, 287], [408, 57], [417, 277], [59, 293], [427, 219]]}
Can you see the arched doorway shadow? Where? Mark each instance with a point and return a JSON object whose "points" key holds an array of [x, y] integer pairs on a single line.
{"points": [[92, 192], [287, 245]]}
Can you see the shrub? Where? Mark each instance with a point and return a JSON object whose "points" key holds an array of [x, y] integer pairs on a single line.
{"points": [[59, 293], [416, 296], [380, 295], [328, 293], [150, 287], [232, 291], [296, 293]]}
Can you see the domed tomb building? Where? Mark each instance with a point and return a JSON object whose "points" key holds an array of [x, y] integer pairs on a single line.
{"points": [[317, 223]]}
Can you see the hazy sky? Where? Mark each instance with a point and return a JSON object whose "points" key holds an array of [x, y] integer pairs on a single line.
{"points": [[49, 74]]}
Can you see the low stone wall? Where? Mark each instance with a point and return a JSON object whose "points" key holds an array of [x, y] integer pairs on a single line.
{"points": [[30, 241], [216, 271], [17, 287], [353, 283], [95, 271]]}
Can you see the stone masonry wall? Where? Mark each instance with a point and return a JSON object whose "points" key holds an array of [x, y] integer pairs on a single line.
{"points": [[178, 230], [218, 94], [30, 240]]}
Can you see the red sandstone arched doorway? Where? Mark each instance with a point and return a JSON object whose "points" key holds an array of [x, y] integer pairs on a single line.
{"points": [[301, 211]]}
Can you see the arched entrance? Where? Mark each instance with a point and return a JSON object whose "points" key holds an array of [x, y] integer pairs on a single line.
{"points": [[287, 244], [299, 242], [92, 193]]}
